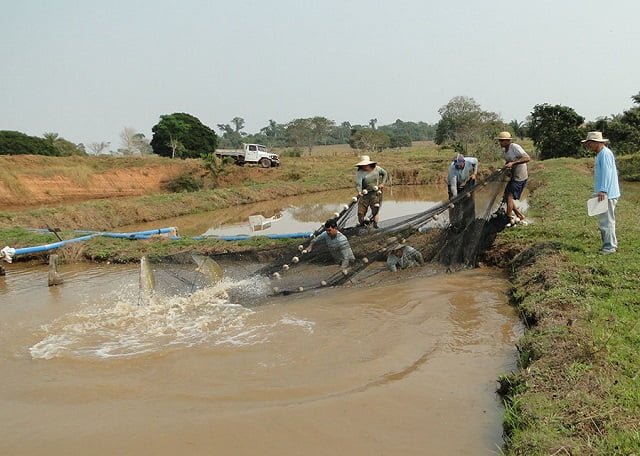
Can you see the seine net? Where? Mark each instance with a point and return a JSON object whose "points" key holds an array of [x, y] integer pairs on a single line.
{"points": [[451, 233]]}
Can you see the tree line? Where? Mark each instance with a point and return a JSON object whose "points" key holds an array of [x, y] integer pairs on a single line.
{"points": [[464, 126]]}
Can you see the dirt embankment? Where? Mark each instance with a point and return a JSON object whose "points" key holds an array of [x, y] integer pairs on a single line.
{"points": [[31, 180]]}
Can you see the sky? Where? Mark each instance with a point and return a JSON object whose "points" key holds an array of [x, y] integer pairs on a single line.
{"points": [[87, 69]]}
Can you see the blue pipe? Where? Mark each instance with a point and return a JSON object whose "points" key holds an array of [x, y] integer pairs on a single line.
{"points": [[141, 235], [55, 245]]}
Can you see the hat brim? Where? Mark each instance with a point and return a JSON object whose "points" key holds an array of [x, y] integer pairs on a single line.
{"points": [[365, 163], [603, 140]]}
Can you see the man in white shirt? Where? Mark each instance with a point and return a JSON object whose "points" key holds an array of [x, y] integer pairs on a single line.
{"points": [[516, 160]]}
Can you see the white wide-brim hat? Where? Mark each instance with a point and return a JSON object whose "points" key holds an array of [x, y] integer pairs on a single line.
{"points": [[365, 160], [595, 136]]}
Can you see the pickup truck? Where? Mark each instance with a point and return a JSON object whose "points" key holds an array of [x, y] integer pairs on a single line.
{"points": [[256, 154]]}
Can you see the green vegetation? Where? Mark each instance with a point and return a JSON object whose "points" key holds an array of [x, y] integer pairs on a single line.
{"points": [[578, 388], [557, 131], [182, 135], [622, 129], [464, 127], [16, 143]]}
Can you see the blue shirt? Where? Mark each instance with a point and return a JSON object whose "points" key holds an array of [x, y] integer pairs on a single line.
{"points": [[605, 177]]}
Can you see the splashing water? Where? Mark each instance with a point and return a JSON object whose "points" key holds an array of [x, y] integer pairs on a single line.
{"points": [[119, 328]]}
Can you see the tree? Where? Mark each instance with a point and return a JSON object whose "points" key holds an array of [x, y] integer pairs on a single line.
{"points": [[556, 131], [182, 135], [64, 147], [622, 129], [238, 123], [98, 147], [369, 140], [400, 140], [519, 128], [232, 137], [133, 143], [464, 123], [416, 131], [308, 132], [17, 143]]}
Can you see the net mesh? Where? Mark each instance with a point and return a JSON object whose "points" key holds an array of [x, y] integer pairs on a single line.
{"points": [[451, 233]]}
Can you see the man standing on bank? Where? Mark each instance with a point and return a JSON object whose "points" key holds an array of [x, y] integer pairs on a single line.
{"points": [[370, 180], [516, 161], [605, 186]]}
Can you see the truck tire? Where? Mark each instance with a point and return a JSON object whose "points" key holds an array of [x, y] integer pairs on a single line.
{"points": [[265, 163]]}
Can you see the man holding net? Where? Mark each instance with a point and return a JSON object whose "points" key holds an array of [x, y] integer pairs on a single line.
{"points": [[370, 180], [516, 160], [403, 257], [337, 243], [462, 176]]}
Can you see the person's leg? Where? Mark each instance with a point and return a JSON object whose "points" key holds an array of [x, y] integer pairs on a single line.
{"points": [[376, 204], [362, 209], [607, 226], [510, 205]]}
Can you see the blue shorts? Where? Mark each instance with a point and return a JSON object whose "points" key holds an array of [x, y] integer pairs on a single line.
{"points": [[515, 188]]}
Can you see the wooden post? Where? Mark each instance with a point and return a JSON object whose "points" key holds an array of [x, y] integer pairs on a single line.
{"points": [[54, 277]]}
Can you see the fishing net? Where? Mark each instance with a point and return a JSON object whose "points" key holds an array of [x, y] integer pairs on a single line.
{"points": [[451, 233]]}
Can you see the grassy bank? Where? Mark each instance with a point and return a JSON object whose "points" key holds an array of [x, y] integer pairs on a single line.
{"points": [[578, 390]]}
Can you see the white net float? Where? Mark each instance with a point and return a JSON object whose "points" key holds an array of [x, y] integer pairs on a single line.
{"points": [[301, 247], [295, 259], [376, 205], [300, 289], [379, 192], [375, 188], [323, 283], [365, 191], [354, 199], [336, 215], [435, 217], [345, 272], [365, 260], [345, 207], [285, 267], [276, 275], [451, 206], [276, 289]]}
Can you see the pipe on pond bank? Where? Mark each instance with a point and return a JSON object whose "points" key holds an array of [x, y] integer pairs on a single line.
{"points": [[169, 232]]}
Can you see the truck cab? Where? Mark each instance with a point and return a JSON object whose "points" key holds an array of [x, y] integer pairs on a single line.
{"points": [[257, 153]]}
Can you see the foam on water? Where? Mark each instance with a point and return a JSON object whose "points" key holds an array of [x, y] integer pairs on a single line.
{"points": [[117, 327]]}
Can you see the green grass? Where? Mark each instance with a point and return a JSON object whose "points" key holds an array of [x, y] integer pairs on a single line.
{"points": [[580, 359]]}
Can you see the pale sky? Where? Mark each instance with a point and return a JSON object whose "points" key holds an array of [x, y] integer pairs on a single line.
{"points": [[87, 69]]}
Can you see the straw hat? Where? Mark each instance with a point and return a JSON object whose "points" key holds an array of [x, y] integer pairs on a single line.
{"points": [[595, 136], [504, 135], [365, 160]]}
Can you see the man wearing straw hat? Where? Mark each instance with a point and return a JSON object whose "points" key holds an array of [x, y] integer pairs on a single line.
{"points": [[402, 257], [606, 187], [516, 161], [370, 180]]}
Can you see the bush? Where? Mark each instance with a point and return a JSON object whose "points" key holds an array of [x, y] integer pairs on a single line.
{"points": [[184, 183], [16, 143]]}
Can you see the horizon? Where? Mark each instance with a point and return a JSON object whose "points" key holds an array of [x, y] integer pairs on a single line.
{"points": [[86, 71]]}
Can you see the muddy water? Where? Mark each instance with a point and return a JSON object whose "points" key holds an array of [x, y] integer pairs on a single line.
{"points": [[296, 214], [406, 366]]}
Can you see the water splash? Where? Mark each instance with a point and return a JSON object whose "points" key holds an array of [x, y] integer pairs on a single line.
{"points": [[118, 327]]}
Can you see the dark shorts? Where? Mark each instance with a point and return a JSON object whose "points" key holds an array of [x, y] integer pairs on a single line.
{"points": [[515, 188]]}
